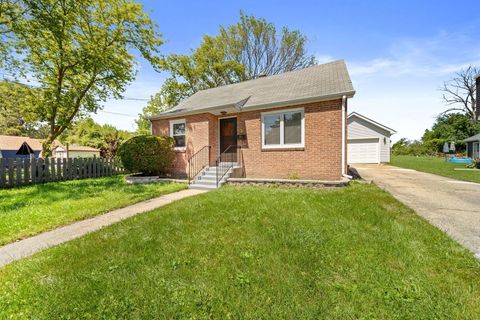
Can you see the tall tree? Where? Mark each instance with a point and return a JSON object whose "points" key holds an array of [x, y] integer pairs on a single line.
{"points": [[80, 52], [243, 51], [262, 50], [459, 93]]}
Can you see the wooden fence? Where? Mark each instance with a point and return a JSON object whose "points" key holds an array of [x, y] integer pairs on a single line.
{"points": [[19, 172]]}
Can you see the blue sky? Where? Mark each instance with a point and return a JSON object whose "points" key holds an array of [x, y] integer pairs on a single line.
{"points": [[398, 52]]}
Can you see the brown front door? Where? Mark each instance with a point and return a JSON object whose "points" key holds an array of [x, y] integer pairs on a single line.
{"points": [[228, 138]]}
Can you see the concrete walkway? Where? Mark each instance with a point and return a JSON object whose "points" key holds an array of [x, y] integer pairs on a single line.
{"points": [[27, 247], [451, 205]]}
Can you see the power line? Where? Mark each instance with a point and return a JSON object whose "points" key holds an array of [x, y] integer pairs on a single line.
{"points": [[118, 114]]}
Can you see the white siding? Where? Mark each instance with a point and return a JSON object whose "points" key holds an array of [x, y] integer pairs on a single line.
{"points": [[361, 129]]}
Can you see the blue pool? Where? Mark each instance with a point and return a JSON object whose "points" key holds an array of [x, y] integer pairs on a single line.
{"points": [[460, 160]]}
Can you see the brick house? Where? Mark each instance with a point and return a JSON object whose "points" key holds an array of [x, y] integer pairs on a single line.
{"points": [[290, 125]]}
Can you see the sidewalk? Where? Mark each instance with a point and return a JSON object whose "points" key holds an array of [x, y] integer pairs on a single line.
{"points": [[27, 247]]}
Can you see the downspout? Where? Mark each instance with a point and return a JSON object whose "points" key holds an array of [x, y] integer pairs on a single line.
{"points": [[344, 174]]}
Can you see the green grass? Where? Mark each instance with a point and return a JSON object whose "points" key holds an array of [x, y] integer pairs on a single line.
{"points": [[29, 210], [436, 165], [254, 253]]}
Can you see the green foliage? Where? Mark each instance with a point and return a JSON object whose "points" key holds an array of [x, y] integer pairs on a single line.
{"points": [[17, 116], [450, 127], [409, 147], [32, 209], [80, 52], [447, 128], [242, 51], [149, 155], [254, 253], [105, 137]]}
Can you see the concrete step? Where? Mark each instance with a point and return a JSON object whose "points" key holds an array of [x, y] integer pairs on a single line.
{"points": [[202, 186], [208, 178]]}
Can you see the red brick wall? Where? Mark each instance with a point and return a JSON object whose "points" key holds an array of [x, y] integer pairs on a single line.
{"points": [[319, 159], [199, 134]]}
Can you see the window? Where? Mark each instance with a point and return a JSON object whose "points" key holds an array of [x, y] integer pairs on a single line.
{"points": [[178, 132], [284, 129]]}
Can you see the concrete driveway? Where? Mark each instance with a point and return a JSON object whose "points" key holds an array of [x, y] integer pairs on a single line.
{"points": [[451, 205]]}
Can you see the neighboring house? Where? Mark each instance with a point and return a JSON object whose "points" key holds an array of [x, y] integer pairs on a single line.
{"points": [[368, 140], [473, 146], [286, 125], [10, 147], [75, 151]]}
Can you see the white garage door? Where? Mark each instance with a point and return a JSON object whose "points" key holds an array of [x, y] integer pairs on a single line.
{"points": [[363, 151]]}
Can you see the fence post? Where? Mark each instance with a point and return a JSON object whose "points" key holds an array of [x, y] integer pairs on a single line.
{"points": [[65, 169], [53, 175], [94, 166], [10, 172], [40, 169], [102, 167], [46, 173], [90, 167], [33, 170], [59, 169], [18, 166], [74, 169], [26, 171], [3, 179]]}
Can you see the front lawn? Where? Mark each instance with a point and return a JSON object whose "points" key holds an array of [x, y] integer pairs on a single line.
{"points": [[436, 166], [254, 253], [29, 210]]}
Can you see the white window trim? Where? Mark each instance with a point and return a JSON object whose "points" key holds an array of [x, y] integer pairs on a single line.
{"points": [[282, 144], [172, 122]]}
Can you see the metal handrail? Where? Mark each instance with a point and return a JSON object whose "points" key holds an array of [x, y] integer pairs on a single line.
{"points": [[223, 166], [197, 162]]}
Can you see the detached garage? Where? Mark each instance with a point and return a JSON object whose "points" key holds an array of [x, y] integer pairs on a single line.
{"points": [[368, 140]]}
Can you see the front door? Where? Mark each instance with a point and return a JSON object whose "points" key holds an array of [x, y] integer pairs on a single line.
{"points": [[228, 139]]}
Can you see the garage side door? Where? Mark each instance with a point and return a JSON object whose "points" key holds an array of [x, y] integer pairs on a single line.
{"points": [[363, 151]]}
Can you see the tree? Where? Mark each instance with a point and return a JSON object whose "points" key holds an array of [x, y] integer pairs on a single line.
{"points": [[256, 45], [105, 137], [459, 93], [243, 51], [16, 111], [450, 127], [79, 51]]}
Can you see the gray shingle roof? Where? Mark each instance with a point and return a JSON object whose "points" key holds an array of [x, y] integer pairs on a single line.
{"points": [[309, 84], [473, 138]]}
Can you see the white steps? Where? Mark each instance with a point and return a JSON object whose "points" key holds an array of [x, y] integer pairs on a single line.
{"points": [[207, 178]]}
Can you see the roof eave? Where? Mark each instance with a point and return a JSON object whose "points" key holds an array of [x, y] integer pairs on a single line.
{"points": [[348, 94], [390, 130]]}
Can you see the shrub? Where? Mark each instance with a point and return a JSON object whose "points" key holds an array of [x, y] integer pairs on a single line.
{"points": [[149, 155]]}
